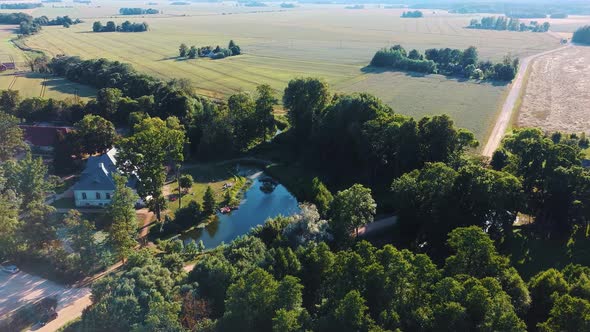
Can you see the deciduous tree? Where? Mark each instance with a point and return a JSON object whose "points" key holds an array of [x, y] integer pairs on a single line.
{"points": [[124, 219]]}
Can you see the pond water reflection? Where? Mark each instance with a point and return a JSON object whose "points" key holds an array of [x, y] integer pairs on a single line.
{"points": [[256, 207]]}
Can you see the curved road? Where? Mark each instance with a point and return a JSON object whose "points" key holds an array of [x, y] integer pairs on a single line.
{"points": [[508, 108]]}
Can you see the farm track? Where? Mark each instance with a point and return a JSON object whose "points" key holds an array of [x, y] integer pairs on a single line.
{"points": [[43, 87], [505, 116], [11, 85]]}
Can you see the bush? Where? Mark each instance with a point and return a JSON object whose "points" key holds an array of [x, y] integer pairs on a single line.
{"points": [[582, 35]]}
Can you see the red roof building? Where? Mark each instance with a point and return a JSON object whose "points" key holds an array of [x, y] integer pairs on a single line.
{"points": [[43, 136]]}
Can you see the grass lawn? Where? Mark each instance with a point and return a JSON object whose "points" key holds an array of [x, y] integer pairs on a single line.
{"points": [[214, 175], [530, 255]]}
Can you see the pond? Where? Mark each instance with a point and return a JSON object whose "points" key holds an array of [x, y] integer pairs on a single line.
{"points": [[255, 208]]}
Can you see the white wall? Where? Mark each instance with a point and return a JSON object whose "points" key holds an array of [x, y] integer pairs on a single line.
{"points": [[91, 198]]}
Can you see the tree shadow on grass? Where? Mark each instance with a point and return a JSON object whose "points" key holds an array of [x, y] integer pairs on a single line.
{"points": [[63, 85], [175, 58], [530, 253], [413, 74]]}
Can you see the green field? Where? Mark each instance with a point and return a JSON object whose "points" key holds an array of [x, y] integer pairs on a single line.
{"points": [[312, 40], [34, 84], [325, 41]]}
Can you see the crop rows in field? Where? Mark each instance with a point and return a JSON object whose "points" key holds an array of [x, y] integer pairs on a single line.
{"points": [[332, 43]]}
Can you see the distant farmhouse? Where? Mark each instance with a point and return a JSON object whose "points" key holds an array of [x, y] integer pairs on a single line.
{"points": [[43, 137], [97, 184]]}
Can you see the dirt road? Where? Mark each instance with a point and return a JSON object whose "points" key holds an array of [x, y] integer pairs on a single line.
{"points": [[66, 314], [21, 288], [509, 104]]}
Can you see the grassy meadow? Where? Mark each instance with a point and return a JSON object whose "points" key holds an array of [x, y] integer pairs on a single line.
{"points": [[33, 84]]}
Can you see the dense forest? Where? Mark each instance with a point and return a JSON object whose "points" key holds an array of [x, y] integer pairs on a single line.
{"points": [[138, 11], [450, 62], [124, 27], [444, 267], [507, 23], [582, 35]]}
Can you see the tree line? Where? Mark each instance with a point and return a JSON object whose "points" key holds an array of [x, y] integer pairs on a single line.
{"points": [[24, 5], [14, 18], [507, 23], [209, 51], [537, 9], [138, 11], [446, 61], [126, 26], [412, 14], [582, 35], [265, 281], [29, 25]]}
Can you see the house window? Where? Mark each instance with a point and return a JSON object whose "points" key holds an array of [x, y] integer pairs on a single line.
{"points": [[108, 195], [97, 195], [84, 196]]}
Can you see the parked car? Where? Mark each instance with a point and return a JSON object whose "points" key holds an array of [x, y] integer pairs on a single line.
{"points": [[10, 269], [48, 317]]}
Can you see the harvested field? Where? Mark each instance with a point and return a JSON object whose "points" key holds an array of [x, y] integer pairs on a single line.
{"points": [[326, 41], [557, 96]]}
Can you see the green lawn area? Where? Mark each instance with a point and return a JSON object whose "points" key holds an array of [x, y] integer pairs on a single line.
{"points": [[530, 254], [214, 175]]}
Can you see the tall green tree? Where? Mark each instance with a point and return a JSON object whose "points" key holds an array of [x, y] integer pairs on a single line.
{"points": [[94, 134], [9, 101], [192, 52], [183, 50], [242, 116], [264, 110], [28, 178], [186, 182], [38, 229], [153, 145], [351, 209], [209, 203], [305, 100], [9, 222], [107, 100], [81, 234], [351, 314], [321, 196], [12, 136], [124, 219]]}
